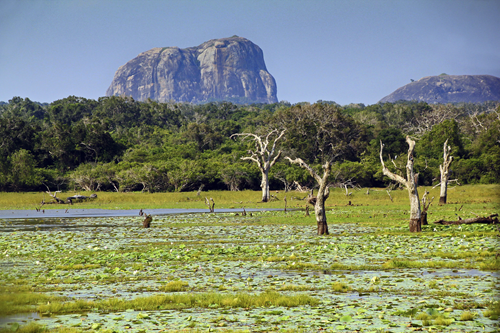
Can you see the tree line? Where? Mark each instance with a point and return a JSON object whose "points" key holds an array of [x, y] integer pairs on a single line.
{"points": [[119, 144]]}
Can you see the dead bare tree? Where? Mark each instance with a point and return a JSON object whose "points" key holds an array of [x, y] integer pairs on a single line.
{"points": [[425, 206], [281, 176], [444, 169], [54, 196], [323, 192], [264, 157], [410, 183], [211, 206], [492, 219], [424, 122]]}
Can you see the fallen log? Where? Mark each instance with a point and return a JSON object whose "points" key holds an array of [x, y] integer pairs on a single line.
{"points": [[492, 219], [80, 198]]}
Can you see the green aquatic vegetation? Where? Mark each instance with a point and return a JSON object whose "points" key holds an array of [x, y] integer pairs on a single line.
{"points": [[468, 315], [433, 316], [34, 327], [174, 286], [340, 287], [77, 267], [181, 301], [443, 321], [459, 255], [223, 254], [490, 265], [433, 284], [23, 301], [294, 287], [493, 311], [396, 263]]}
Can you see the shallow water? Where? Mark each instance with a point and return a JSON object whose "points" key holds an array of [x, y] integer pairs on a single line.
{"points": [[23, 220], [19, 318], [68, 213]]}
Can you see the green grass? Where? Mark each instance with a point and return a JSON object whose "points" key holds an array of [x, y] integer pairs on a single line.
{"points": [[181, 301], [20, 300], [475, 196], [468, 315], [34, 327], [174, 286]]}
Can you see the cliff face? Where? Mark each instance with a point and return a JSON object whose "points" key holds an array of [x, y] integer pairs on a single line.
{"points": [[220, 69], [449, 89]]}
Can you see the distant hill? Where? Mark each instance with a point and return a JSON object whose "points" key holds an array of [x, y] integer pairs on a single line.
{"points": [[449, 89], [230, 69]]}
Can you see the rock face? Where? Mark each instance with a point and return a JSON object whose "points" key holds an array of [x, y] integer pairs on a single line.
{"points": [[230, 69], [449, 89]]}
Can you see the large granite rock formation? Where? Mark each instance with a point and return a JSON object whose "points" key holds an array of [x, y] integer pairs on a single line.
{"points": [[230, 69], [449, 89]]}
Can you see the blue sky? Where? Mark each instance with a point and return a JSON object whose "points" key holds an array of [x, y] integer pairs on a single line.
{"points": [[347, 51]]}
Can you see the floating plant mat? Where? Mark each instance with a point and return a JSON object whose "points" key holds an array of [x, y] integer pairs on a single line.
{"points": [[360, 276]]}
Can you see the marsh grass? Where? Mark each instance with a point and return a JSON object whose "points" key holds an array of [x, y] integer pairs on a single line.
{"points": [[181, 301], [468, 315], [396, 263], [34, 327], [341, 287], [294, 287], [175, 286], [459, 255], [474, 195], [490, 265], [23, 301], [432, 317], [77, 267], [493, 311]]}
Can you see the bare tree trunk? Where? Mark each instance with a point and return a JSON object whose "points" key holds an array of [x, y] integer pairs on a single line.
{"points": [[320, 212], [415, 213], [444, 169], [211, 206], [323, 193], [265, 185], [410, 183], [425, 207]]}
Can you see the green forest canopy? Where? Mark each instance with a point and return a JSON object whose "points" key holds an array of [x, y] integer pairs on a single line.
{"points": [[119, 144]]}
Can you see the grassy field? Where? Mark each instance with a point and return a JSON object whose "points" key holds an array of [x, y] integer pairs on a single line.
{"points": [[470, 194], [266, 272]]}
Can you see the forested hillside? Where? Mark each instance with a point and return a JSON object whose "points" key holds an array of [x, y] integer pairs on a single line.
{"points": [[118, 144]]}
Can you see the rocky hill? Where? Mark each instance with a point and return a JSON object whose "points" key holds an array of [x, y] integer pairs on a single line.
{"points": [[449, 89], [230, 69]]}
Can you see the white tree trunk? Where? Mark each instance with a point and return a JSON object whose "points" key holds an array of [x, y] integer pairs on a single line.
{"points": [[444, 169], [323, 193], [265, 185], [319, 210], [443, 194], [410, 183], [415, 211]]}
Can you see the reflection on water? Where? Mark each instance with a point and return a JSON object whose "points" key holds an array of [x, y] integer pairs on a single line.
{"points": [[35, 224], [23, 220], [19, 318], [68, 213]]}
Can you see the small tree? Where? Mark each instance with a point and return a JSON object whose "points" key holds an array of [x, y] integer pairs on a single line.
{"points": [[444, 169], [323, 192], [410, 183], [264, 157]]}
